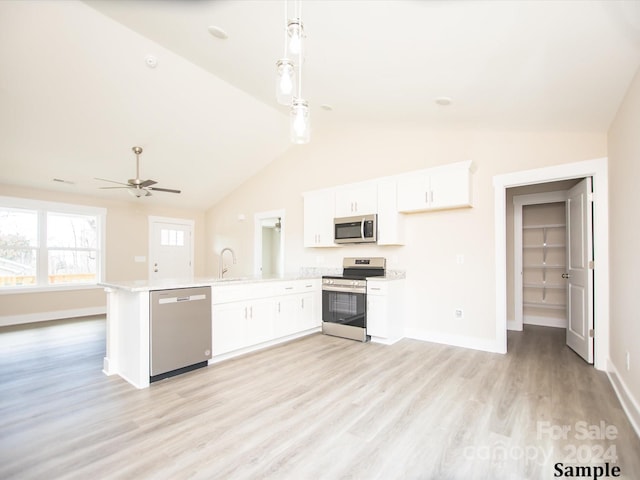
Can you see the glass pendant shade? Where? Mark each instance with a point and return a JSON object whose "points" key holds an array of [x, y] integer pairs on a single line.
{"points": [[300, 125], [285, 82], [294, 43]]}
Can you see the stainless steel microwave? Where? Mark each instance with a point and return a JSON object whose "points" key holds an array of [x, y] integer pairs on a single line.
{"points": [[361, 229]]}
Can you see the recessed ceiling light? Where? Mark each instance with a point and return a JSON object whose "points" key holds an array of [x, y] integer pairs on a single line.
{"points": [[326, 106], [218, 32], [151, 61], [444, 101]]}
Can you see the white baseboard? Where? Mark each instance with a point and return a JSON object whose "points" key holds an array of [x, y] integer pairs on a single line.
{"points": [[629, 404], [486, 345], [513, 325], [7, 320], [260, 346], [545, 321]]}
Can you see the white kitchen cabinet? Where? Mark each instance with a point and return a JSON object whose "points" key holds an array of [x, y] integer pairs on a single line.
{"points": [[298, 307], [253, 314], [260, 317], [390, 221], [438, 188], [229, 327], [319, 209], [385, 312], [356, 200]]}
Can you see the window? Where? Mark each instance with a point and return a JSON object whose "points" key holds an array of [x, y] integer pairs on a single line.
{"points": [[49, 244]]}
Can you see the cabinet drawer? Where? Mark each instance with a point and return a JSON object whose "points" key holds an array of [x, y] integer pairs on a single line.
{"points": [[239, 293], [377, 288], [295, 286]]}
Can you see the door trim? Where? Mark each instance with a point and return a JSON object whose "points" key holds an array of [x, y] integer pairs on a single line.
{"points": [[257, 239], [596, 168], [520, 201], [177, 221]]}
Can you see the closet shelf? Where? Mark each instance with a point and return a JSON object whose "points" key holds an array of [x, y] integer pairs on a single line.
{"points": [[545, 285], [550, 306], [545, 266], [538, 227]]}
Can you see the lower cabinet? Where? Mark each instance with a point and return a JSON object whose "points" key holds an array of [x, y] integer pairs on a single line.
{"points": [[385, 310], [244, 316]]}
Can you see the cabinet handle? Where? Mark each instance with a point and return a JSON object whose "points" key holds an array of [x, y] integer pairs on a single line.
{"points": [[302, 303], [374, 288], [426, 197], [278, 307], [251, 312], [288, 288], [245, 313], [356, 206], [431, 196], [308, 286]]}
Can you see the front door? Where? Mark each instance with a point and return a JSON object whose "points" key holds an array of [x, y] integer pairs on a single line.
{"points": [[170, 248], [579, 275]]}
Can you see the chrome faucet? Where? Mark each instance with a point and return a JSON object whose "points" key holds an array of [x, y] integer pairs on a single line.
{"points": [[223, 270]]}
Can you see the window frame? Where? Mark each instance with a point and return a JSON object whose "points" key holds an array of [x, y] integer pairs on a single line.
{"points": [[42, 267]]}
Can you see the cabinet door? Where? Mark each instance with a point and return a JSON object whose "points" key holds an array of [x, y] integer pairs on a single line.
{"points": [[260, 315], [318, 219], [390, 222], [450, 189], [377, 319], [288, 310], [229, 327], [360, 200], [413, 192], [307, 317]]}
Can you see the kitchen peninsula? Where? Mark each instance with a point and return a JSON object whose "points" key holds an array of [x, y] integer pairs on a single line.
{"points": [[247, 314]]}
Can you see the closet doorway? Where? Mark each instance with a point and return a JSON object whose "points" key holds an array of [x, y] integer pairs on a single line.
{"points": [[598, 171], [553, 260]]}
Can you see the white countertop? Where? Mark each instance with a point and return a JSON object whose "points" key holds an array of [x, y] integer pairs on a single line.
{"points": [[148, 285]]}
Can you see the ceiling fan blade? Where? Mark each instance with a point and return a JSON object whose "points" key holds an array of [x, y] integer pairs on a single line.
{"points": [[147, 183], [169, 190], [112, 181], [109, 188]]}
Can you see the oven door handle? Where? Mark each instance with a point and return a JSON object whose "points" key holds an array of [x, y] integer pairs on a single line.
{"points": [[333, 288]]}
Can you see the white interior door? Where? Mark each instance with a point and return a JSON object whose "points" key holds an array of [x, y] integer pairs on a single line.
{"points": [[170, 248], [579, 275]]}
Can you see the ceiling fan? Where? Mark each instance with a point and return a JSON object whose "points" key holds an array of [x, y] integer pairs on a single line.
{"points": [[136, 186]]}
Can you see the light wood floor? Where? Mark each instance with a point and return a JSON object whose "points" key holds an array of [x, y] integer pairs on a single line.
{"points": [[318, 407]]}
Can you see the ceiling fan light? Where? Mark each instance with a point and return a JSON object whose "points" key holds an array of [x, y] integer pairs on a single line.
{"points": [[285, 81]]}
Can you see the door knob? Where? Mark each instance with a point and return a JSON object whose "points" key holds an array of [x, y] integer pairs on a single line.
{"points": [[566, 275]]}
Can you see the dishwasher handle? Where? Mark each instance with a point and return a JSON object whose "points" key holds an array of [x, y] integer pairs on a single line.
{"points": [[189, 298]]}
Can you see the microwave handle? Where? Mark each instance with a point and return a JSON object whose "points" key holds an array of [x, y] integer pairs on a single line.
{"points": [[362, 229]]}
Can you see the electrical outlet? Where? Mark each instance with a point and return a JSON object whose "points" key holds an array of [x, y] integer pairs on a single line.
{"points": [[459, 313], [628, 362]]}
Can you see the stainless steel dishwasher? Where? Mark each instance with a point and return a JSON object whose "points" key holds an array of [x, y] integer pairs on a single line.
{"points": [[180, 331]]}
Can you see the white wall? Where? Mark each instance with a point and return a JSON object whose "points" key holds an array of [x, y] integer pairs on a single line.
{"points": [[435, 284], [624, 202]]}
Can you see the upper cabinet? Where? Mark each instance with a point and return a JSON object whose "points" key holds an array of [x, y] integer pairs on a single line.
{"points": [[438, 188], [319, 208], [357, 200]]}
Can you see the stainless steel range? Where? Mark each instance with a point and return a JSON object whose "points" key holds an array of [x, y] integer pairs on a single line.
{"points": [[344, 297]]}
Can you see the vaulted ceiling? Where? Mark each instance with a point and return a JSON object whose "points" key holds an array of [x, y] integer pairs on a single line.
{"points": [[76, 92]]}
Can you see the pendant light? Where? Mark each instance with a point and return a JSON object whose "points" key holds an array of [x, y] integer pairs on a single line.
{"points": [[285, 84], [288, 85]]}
